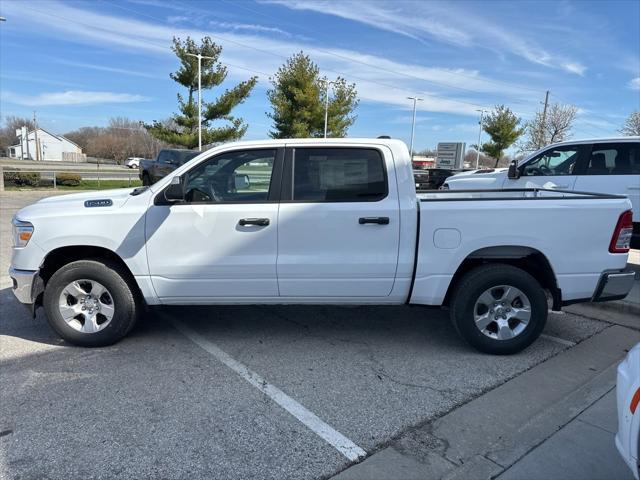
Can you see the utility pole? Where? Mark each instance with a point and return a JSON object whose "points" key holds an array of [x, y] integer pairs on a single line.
{"points": [[199, 57], [326, 103], [35, 131], [413, 123], [26, 129], [544, 120], [479, 133]]}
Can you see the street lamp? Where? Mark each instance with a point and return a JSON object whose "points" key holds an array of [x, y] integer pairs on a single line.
{"points": [[199, 57], [479, 133], [413, 123], [326, 103]]}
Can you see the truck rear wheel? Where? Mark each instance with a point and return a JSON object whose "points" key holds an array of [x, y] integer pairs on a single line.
{"points": [[90, 303], [499, 309]]}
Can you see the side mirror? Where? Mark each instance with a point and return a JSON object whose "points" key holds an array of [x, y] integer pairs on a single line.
{"points": [[514, 173], [242, 181], [175, 191]]}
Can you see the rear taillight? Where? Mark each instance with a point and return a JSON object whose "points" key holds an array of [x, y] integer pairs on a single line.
{"points": [[634, 401], [621, 240]]}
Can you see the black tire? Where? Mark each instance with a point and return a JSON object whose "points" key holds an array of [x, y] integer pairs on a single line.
{"points": [[127, 305], [146, 179], [468, 291]]}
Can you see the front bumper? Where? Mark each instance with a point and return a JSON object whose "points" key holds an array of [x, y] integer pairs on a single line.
{"points": [[614, 285], [27, 286]]}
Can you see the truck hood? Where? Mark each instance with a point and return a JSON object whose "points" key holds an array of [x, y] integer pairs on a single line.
{"points": [[477, 179], [75, 203]]}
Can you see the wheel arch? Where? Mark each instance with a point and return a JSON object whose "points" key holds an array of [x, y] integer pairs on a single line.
{"points": [[529, 259], [61, 256]]}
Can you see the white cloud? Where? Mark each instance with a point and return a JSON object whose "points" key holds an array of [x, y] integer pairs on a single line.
{"points": [[574, 67], [103, 68], [379, 15], [250, 27], [634, 83], [443, 22], [71, 98], [378, 79]]}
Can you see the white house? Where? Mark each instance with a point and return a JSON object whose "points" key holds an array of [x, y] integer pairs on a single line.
{"points": [[45, 146]]}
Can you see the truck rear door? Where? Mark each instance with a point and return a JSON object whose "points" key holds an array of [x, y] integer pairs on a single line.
{"points": [[338, 222], [613, 168]]}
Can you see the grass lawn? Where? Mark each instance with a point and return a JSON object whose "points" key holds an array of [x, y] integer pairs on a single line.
{"points": [[84, 185]]}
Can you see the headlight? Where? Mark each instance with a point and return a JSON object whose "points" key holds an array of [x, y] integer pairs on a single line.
{"points": [[22, 233]]}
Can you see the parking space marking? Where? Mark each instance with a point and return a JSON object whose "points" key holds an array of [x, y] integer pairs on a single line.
{"points": [[562, 341], [334, 438]]}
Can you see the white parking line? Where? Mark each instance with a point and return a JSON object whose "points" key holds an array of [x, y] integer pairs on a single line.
{"points": [[562, 341], [334, 438]]}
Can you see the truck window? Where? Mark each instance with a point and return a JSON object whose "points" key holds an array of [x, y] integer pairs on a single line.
{"points": [[185, 156], [338, 175], [233, 177], [614, 159], [556, 161], [163, 156]]}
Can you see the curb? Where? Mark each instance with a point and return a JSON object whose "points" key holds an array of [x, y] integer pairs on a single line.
{"points": [[486, 436]]}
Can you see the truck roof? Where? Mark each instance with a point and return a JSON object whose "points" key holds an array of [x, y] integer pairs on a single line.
{"points": [[597, 140], [316, 141]]}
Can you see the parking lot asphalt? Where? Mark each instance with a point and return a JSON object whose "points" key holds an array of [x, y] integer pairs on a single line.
{"points": [[159, 405]]}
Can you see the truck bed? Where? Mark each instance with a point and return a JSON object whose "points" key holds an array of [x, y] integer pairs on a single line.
{"points": [[574, 232]]}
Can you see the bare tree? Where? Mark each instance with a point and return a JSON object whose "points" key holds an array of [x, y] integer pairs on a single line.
{"points": [[554, 127], [631, 125], [121, 139], [8, 135]]}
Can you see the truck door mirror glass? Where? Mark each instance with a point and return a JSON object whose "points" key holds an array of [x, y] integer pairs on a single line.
{"points": [[513, 174], [242, 181], [175, 191]]}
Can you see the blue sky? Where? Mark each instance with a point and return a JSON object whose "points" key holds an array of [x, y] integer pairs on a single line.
{"points": [[78, 63]]}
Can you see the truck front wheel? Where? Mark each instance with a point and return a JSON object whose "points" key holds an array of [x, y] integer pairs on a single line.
{"points": [[146, 179], [90, 303], [499, 309]]}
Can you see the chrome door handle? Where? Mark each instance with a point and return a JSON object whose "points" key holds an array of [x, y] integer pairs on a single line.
{"points": [[259, 222], [560, 186], [633, 188]]}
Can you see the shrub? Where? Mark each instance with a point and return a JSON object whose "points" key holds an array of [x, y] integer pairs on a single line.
{"points": [[22, 179], [68, 179]]}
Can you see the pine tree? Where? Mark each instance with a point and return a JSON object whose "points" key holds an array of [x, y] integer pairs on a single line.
{"points": [[298, 101], [182, 128], [502, 125]]}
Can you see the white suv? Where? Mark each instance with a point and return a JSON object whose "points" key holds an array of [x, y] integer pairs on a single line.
{"points": [[610, 165]]}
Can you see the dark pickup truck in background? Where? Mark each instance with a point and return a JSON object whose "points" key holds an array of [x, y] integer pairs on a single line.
{"points": [[167, 161]]}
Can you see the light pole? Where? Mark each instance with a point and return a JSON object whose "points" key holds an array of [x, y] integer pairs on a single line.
{"points": [[199, 57], [326, 103], [479, 133], [413, 123]]}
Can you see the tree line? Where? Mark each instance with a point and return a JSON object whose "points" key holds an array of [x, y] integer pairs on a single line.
{"points": [[298, 96]]}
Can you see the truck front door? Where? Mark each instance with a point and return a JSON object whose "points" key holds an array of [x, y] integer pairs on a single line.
{"points": [[339, 223], [554, 168], [222, 240]]}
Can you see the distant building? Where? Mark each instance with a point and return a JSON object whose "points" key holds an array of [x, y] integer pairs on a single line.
{"points": [[49, 147], [421, 162]]}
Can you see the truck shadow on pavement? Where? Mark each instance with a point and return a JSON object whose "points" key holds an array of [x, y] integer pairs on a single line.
{"points": [[346, 324]]}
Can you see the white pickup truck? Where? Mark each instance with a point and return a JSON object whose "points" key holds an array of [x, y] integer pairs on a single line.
{"points": [[605, 165], [318, 222]]}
